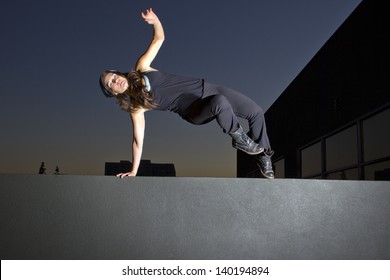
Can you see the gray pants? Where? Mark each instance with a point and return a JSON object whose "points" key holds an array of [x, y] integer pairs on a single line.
{"points": [[225, 105]]}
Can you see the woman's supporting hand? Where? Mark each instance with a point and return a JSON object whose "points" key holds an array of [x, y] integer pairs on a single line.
{"points": [[128, 174]]}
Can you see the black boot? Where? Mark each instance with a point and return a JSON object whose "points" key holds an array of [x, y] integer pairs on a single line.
{"points": [[242, 142], [265, 164]]}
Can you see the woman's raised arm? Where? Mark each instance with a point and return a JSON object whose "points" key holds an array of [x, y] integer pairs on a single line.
{"points": [[145, 61]]}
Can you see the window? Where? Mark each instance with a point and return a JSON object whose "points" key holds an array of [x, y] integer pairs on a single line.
{"points": [[349, 174], [360, 151], [376, 135], [311, 160], [341, 149], [279, 168], [378, 172]]}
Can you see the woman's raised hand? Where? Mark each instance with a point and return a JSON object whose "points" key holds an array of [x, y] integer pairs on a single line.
{"points": [[150, 17]]}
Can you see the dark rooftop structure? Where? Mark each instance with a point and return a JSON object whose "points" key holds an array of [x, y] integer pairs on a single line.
{"points": [[146, 168]]}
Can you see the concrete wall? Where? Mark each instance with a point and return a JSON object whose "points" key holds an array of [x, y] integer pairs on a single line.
{"points": [[83, 217]]}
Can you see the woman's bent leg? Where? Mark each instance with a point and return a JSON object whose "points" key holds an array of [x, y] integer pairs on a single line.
{"points": [[246, 108], [213, 107], [218, 107]]}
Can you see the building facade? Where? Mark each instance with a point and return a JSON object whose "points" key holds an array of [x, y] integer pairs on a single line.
{"points": [[332, 121]]}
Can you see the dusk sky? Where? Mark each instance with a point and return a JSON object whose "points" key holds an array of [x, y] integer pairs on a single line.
{"points": [[53, 52]]}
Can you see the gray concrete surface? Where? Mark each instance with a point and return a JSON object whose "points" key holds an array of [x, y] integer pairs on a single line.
{"points": [[97, 217]]}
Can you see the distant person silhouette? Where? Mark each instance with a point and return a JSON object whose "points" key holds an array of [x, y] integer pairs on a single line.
{"points": [[42, 169], [195, 100]]}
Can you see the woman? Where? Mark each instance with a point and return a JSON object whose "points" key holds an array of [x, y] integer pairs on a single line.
{"points": [[195, 100]]}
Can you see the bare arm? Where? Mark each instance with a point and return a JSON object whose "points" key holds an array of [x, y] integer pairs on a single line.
{"points": [[138, 120], [143, 65], [145, 61]]}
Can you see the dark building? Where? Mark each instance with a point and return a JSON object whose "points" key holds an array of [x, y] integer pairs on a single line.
{"points": [[333, 120], [146, 168]]}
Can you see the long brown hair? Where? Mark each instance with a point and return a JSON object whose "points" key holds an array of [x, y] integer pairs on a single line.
{"points": [[136, 96]]}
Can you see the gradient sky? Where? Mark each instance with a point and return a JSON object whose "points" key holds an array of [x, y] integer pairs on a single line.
{"points": [[53, 52]]}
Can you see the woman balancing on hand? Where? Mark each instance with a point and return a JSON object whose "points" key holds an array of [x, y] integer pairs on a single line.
{"points": [[195, 100]]}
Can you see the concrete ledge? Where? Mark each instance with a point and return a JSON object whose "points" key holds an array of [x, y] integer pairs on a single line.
{"points": [[84, 217]]}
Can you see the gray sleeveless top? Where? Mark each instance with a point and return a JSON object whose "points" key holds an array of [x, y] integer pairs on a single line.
{"points": [[173, 92]]}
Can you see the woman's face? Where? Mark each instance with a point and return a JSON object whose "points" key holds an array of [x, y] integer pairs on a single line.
{"points": [[116, 83]]}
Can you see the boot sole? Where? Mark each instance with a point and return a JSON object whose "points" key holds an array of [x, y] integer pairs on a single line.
{"points": [[249, 153], [267, 177]]}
